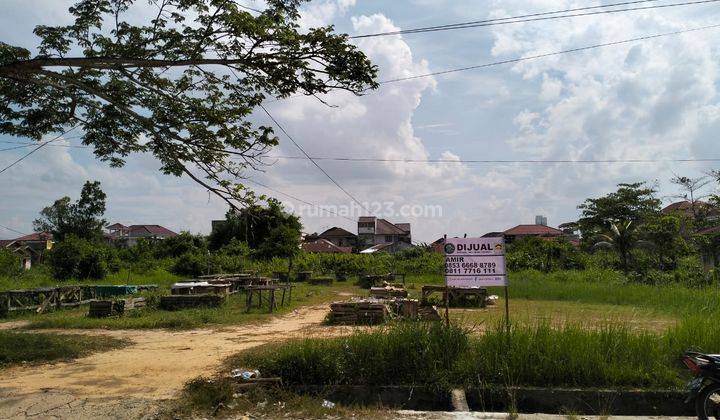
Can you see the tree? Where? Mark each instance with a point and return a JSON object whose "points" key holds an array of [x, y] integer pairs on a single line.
{"points": [[266, 229], [691, 191], [180, 86], [665, 233], [621, 238], [82, 218], [630, 203]]}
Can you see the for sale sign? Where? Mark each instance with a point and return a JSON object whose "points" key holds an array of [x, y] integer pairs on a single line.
{"points": [[475, 262]]}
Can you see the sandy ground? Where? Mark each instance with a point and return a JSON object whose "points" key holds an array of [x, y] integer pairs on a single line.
{"points": [[125, 383]]}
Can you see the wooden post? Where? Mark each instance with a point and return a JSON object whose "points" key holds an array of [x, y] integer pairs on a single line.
{"points": [[272, 299], [447, 289], [507, 311]]}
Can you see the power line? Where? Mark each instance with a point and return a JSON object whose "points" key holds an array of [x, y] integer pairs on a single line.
{"points": [[25, 144], [13, 230], [313, 161], [35, 150], [319, 207], [536, 17], [534, 57], [501, 161]]}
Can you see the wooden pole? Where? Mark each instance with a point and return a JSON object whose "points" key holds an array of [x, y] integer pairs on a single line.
{"points": [[447, 289], [507, 311]]}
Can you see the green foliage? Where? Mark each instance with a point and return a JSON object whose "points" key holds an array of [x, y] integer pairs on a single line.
{"points": [[21, 347], [268, 230], [81, 259], [408, 353], [536, 354], [181, 84], [630, 203], [83, 218], [533, 253], [176, 246], [665, 233], [10, 264]]}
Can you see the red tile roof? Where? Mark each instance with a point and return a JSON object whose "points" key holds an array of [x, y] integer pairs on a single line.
{"points": [[37, 236], [710, 230], [325, 246], [335, 232], [152, 229], [533, 230], [383, 227]]}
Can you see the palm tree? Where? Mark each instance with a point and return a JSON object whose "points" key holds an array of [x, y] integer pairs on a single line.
{"points": [[622, 239]]}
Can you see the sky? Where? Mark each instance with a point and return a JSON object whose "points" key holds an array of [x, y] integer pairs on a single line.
{"points": [[655, 99]]}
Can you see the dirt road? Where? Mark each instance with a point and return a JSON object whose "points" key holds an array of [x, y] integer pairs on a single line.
{"points": [[128, 380]]}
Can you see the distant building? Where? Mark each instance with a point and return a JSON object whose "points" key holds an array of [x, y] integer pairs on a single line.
{"points": [[323, 246], [339, 237], [685, 208], [122, 235], [374, 231], [30, 248], [541, 220], [524, 231]]}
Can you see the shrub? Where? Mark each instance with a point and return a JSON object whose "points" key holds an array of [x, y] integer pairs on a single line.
{"points": [[544, 255], [9, 264], [81, 259]]}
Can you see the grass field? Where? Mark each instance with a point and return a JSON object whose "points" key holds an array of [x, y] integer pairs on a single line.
{"points": [[31, 347], [560, 313], [40, 277], [233, 312]]}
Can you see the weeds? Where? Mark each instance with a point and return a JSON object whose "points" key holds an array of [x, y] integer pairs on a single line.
{"points": [[21, 347]]}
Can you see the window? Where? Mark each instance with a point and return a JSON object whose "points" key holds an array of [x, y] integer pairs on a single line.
{"points": [[389, 238]]}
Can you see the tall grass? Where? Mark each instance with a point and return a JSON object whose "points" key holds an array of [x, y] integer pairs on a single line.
{"points": [[408, 353], [531, 355]]}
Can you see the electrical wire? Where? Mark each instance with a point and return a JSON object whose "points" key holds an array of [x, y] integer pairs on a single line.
{"points": [[36, 149], [313, 161], [501, 161], [535, 17], [13, 230], [534, 57], [319, 207]]}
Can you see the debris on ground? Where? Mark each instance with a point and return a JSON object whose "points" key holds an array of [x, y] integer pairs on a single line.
{"points": [[328, 404], [492, 300], [388, 291]]}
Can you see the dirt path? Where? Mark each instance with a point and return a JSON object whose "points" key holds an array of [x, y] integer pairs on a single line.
{"points": [[154, 368]]}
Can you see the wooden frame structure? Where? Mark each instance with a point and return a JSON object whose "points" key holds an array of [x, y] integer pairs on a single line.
{"points": [[271, 299], [455, 295]]}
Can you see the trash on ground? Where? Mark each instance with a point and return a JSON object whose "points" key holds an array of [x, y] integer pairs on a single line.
{"points": [[328, 404]]}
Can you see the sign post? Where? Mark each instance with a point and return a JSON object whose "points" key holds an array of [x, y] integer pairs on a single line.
{"points": [[476, 262]]}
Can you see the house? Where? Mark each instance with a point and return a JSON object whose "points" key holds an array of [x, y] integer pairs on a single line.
{"points": [[323, 246], [30, 248], [390, 248], [374, 231], [339, 237], [129, 235], [523, 231], [687, 209]]}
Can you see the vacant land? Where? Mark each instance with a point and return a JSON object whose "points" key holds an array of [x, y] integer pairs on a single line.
{"points": [[555, 316]]}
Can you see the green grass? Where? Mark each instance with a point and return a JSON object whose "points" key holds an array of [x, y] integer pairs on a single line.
{"points": [[531, 355], [25, 347], [40, 277], [233, 312], [600, 287]]}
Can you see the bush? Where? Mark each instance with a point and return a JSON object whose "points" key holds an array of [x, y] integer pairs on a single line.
{"points": [[544, 255], [10, 264], [80, 259], [407, 353]]}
